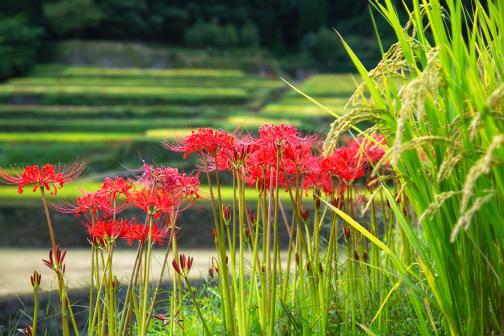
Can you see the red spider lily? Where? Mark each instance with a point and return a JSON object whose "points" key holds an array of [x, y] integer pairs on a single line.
{"points": [[90, 203], [104, 231], [180, 185], [116, 186], [227, 157], [204, 140], [183, 265], [48, 176], [56, 259], [295, 151], [371, 150], [35, 279], [140, 233], [153, 201], [345, 163]]}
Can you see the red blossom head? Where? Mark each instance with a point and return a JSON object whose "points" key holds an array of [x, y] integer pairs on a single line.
{"points": [[104, 231], [282, 148], [96, 204], [180, 186], [183, 265], [48, 176], [203, 141], [155, 202], [344, 163], [116, 186], [140, 233]]}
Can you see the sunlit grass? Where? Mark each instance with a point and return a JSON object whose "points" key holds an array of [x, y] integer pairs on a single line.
{"points": [[66, 137], [122, 91], [251, 82], [82, 71]]}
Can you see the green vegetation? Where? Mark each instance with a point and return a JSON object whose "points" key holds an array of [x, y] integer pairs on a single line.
{"points": [[111, 116], [18, 45], [292, 31], [438, 97], [330, 91]]}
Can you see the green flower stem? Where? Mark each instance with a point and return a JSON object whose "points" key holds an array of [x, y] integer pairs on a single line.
{"points": [[196, 305]]}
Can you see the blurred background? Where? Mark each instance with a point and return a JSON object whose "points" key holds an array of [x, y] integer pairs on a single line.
{"points": [[106, 81]]}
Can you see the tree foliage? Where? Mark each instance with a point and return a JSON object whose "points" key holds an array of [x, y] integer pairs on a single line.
{"points": [[18, 45]]}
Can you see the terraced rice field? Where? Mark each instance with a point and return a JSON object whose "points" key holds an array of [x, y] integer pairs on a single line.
{"points": [[109, 117]]}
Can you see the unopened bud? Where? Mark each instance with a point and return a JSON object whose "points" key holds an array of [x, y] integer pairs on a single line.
{"points": [[346, 232], [35, 279], [304, 214], [252, 216], [316, 197], [405, 211], [365, 256], [115, 282], [226, 213], [26, 331], [356, 255], [213, 234], [321, 268]]}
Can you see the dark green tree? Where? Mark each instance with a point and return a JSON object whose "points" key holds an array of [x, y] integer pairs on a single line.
{"points": [[66, 17], [18, 45], [313, 15]]}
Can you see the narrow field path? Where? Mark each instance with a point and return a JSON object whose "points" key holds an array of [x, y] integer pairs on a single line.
{"points": [[19, 264]]}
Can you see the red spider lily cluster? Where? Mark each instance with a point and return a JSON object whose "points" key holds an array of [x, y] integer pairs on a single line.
{"points": [[48, 176], [158, 191], [282, 152]]}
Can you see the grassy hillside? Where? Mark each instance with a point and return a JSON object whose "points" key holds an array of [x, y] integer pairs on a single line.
{"points": [[110, 117]]}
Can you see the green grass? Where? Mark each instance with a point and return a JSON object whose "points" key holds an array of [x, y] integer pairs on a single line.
{"points": [[103, 125], [250, 82], [122, 91], [323, 85], [332, 91], [438, 97], [15, 137], [115, 111], [90, 71]]}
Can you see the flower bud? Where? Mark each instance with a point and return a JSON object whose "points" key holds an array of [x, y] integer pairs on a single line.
{"points": [[346, 232], [365, 256], [35, 279], [115, 282], [213, 234], [321, 268], [336, 202], [26, 331], [183, 265], [316, 198], [226, 213], [304, 214], [356, 255], [252, 216]]}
